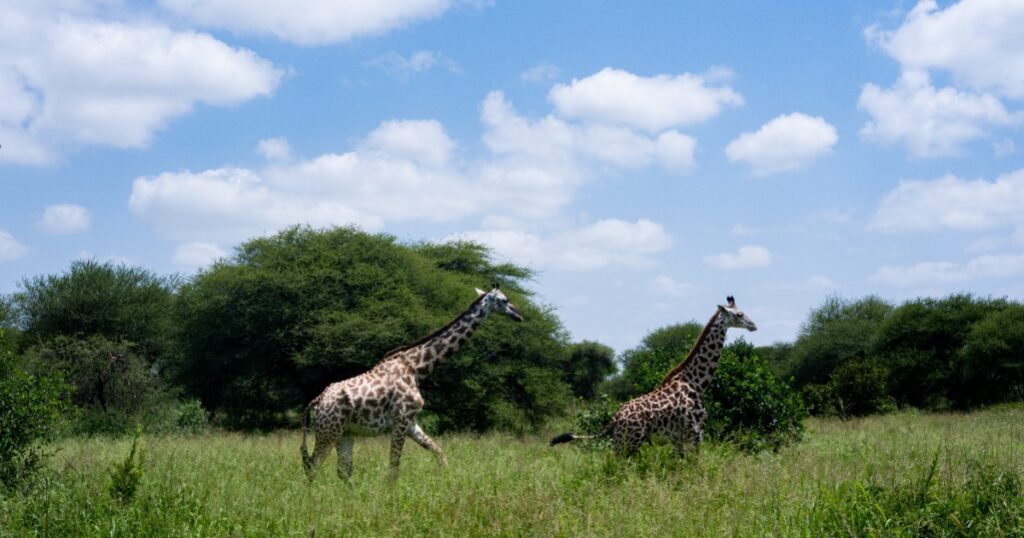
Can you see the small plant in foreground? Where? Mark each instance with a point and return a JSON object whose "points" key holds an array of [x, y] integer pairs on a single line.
{"points": [[126, 476]]}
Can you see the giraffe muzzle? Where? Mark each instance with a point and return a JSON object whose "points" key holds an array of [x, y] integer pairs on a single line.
{"points": [[513, 312]]}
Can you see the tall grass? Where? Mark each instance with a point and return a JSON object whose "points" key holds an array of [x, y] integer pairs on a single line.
{"points": [[907, 474]]}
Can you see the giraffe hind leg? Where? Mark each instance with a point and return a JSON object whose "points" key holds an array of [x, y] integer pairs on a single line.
{"points": [[424, 440], [345, 457], [323, 446]]}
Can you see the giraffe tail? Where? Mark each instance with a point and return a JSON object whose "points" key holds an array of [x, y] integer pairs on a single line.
{"points": [[307, 461], [569, 437]]}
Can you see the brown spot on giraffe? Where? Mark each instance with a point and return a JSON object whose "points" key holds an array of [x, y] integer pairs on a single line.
{"points": [[386, 399], [675, 408]]}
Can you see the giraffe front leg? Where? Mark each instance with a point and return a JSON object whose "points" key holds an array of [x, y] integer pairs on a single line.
{"points": [[424, 440], [397, 442], [345, 457]]}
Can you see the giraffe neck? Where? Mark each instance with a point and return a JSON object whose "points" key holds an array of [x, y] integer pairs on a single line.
{"points": [[698, 368], [433, 351]]}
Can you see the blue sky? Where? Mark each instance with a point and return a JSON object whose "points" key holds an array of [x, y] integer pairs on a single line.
{"points": [[646, 159]]}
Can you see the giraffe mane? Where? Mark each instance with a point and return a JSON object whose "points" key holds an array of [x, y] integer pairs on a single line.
{"points": [[693, 351], [437, 332]]}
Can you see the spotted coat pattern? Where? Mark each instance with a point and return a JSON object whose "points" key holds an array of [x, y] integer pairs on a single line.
{"points": [[675, 408], [386, 399]]}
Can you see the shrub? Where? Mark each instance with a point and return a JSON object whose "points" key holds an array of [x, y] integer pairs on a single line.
{"points": [[126, 475], [191, 416], [30, 410], [749, 406]]}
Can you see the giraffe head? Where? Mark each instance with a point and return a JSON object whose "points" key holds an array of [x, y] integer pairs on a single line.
{"points": [[495, 301], [734, 317]]}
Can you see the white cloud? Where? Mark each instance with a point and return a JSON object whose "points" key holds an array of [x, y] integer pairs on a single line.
{"points": [[423, 142], [929, 273], [666, 285], [610, 242], [979, 42], [275, 149], [418, 62], [308, 22], [65, 218], [746, 256], [926, 121], [10, 248], [788, 142], [410, 170], [952, 203], [557, 142], [539, 73], [77, 79], [197, 254], [653, 103]]}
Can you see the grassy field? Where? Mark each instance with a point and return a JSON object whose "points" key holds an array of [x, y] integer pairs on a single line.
{"points": [[900, 475]]}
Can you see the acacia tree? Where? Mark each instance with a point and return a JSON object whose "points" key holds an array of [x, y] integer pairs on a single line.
{"points": [[118, 302], [265, 330]]}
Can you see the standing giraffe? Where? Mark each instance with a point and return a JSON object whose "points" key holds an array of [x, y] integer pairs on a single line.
{"points": [[675, 408], [387, 398]]}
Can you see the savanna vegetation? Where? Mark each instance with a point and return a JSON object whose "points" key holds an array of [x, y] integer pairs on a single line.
{"points": [[133, 403]]}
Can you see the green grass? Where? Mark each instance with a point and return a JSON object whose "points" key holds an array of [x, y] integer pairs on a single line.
{"points": [[907, 474]]}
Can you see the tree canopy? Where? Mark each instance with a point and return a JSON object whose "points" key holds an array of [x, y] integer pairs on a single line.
{"points": [[264, 331]]}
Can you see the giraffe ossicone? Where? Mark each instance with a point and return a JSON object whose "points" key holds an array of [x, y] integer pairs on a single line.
{"points": [[386, 399], [675, 408]]}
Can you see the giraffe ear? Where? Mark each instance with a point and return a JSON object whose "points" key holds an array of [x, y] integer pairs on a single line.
{"points": [[722, 308], [480, 292]]}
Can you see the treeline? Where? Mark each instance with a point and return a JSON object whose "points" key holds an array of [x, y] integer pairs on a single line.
{"points": [[863, 356], [249, 340]]}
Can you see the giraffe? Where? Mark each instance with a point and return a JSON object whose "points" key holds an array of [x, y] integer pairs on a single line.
{"points": [[386, 399], [675, 408]]}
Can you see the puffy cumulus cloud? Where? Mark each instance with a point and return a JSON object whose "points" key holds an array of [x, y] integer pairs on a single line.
{"points": [[979, 45], [952, 203], [65, 218], [73, 78], [937, 273], [10, 248], [197, 254], [788, 142], [604, 243], [746, 256], [308, 22], [926, 121], [653, 104], [554, 141], [666, 285], [231, 204], [421, 141], [275, 149], [978, 42], [411, 170]]}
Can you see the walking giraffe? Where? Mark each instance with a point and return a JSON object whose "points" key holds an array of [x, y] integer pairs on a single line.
{"points": [[675, 408], [386, 399]]}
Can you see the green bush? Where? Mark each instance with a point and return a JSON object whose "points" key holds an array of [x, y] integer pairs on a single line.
{"points": [[192, 417], [31, 408], [126, 476], [747, 405]]}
